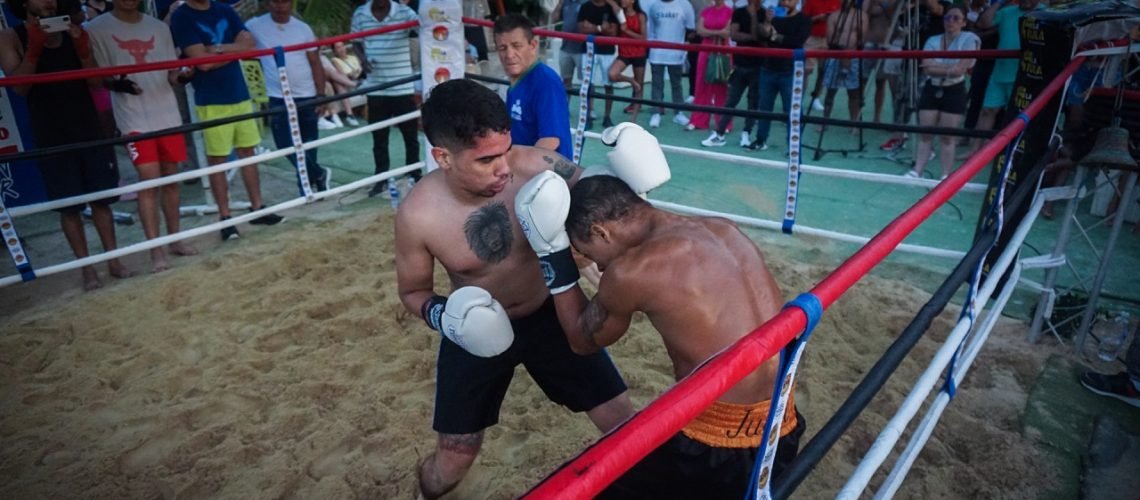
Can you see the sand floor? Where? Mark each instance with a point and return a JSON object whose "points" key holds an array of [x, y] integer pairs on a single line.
{"points": [[284, 366]]}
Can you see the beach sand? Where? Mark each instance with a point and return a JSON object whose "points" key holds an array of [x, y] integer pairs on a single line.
{"points": [[284, 366]]}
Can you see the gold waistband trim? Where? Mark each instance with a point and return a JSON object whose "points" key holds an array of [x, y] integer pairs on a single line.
{"points": [[729, 425]]}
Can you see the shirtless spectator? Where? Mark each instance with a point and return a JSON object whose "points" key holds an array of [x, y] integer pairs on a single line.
{"points": [[702, 283], [846, 30], [883, 34], [817, 11]]}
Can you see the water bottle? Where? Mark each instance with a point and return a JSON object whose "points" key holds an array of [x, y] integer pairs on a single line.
{"points": [[394, 193], [1112, 337]]}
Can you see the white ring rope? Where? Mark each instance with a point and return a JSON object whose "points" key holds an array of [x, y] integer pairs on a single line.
{"points": [[203, 172], [804, 230], [209, 228], [190, 233], [813, 169], [894, 429]]}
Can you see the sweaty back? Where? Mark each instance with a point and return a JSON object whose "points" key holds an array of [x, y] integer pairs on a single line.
{"points": [[719, 290]]}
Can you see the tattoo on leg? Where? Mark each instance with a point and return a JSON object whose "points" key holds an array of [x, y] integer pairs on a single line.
{"points": [[466, 444], [489, 232], [563, 168]]}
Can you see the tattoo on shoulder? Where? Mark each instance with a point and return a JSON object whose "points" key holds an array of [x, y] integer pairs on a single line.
{"points": [[489, 232], [592, 320], [466, 444], [561, 167]]}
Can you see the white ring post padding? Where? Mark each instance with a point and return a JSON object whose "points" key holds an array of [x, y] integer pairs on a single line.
{"points": [[804, 230], [813, 169], [209, 228], [894, 429], [930, 421], [203, 172]]}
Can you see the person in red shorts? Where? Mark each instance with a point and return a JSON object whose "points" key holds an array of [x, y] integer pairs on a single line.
{"points": [[145, 102], [632, 24]]}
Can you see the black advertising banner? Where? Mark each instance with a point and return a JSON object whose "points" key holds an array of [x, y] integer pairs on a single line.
{"points": [[1047, 42]]}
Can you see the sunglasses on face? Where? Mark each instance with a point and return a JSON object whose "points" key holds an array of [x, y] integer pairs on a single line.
{"points": [[952, 18]]}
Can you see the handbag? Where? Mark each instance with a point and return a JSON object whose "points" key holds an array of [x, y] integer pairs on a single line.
{"points": [[718, 68]]}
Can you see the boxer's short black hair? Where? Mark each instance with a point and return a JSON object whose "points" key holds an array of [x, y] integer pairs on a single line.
{"points": [[460, 111], [597, 199]]}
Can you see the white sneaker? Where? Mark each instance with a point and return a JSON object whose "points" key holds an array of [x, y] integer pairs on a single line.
{"points": [[352, 121], [690, 99], [817, 105], [325, 124], [744, 139], [336, 121], [655, 120], [681, 119], [715, 140]]}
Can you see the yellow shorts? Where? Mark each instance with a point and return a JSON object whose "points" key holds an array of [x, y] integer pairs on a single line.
{"points": [[222, 139]]}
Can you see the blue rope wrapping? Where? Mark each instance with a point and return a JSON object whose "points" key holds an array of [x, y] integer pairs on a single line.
{"points": [[279, 55], [813, 309], [795, 148], [996, 214], [26, 272]]}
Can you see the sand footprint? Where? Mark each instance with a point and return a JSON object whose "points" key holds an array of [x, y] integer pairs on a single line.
{"points": [[335, 461]]}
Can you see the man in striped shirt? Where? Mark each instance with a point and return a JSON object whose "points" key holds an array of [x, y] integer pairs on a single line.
{"points": [[385, 58]]}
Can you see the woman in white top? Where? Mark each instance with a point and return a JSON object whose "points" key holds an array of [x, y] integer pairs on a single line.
{"points": [[944, 97]]}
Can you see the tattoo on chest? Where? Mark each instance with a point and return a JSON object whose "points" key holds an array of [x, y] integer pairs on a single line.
{"points": [[489, 232], [563, 168]]}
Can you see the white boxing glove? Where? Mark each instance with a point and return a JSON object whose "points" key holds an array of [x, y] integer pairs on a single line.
{"points": [[473, 320], [637, 158], [541, 206]]}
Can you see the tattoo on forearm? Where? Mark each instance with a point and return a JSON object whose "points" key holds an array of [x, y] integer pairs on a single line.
{"points": [[489, 232], [466, 444], [563, 168], [592, 320]]}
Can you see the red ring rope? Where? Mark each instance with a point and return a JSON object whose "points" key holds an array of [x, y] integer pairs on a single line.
{"points": [[768, 52], [12, 81]]}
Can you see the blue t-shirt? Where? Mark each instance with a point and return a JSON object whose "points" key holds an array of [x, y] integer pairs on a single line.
{"points": [[217, 25], [538, 107]]}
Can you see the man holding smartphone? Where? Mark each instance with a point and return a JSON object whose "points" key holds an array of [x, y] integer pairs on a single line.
{"points": [[63, 113]]}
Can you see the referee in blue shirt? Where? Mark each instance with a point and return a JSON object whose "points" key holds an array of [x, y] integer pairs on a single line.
{"points": [[537, 99]]}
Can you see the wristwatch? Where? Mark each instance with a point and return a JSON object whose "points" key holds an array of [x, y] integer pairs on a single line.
{"points": [[599, 28], [218, 48]]}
